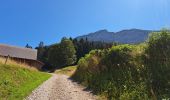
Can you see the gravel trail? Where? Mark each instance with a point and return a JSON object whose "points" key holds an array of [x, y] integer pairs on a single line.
{"points": [[60, 87]]}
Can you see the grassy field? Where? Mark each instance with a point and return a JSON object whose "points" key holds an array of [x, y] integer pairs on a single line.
{"points": [[69, 71], [17, 81]]}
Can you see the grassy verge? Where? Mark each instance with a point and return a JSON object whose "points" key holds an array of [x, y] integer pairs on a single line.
{"points": [[69, 71], [17, 81]]}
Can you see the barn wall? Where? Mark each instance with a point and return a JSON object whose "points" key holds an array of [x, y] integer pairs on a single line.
{"points": [[31, 63]]}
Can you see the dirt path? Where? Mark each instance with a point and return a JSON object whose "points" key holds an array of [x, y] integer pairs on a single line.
{"points": [[60, 87]]}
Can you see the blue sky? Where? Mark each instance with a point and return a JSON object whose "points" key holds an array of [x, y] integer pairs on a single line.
{"points": [[32, 21]]}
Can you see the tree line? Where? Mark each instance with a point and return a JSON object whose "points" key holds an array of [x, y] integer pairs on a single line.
{"points": [[67, 52]]}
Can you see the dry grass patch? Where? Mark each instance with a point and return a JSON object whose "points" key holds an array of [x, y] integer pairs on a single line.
{"points": [[69, 71]]}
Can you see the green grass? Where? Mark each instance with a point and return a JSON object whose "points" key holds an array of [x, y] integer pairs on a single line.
{"points": [[69, 71], [17, 81]]}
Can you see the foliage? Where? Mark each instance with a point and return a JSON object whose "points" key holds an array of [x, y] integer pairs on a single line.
{"points": [[42, 55], [83, 46], [28, 46], [129, 71], [62, 54], [46, 54], [42, 52], [112, 72], [17, 81], [54, 55], [158, 63]]}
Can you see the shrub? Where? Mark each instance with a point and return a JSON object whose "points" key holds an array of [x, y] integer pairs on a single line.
{"points": [[113, 72], [158, 64], [87, 66]]}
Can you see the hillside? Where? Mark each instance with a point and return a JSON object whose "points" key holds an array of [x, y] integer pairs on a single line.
{"points": [[17, 81], [124, 36]]}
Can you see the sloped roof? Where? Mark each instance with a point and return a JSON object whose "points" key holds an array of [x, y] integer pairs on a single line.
{"points": [[18, 52]]}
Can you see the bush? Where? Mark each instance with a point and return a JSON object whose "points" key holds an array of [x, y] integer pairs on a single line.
{"points": [[158, 64], [87, 66], [111, 72]]}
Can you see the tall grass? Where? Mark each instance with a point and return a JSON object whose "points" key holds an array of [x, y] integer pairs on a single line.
{"points": [[18, 80]]}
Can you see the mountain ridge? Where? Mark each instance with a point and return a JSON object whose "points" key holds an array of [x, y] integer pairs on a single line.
{"points": [[129, 36]]}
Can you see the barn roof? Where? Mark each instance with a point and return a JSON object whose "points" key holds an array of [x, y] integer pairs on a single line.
{"points": [[18, 52]]}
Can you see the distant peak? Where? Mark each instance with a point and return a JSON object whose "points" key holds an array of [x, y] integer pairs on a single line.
{"points": [[133, 29], [102, 31]]}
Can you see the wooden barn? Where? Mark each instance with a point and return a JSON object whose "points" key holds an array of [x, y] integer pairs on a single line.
{"points": [[21, 55]]}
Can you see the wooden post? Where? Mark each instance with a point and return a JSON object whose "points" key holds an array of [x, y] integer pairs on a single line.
{"points": [[24, 61], [6, 59]]}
